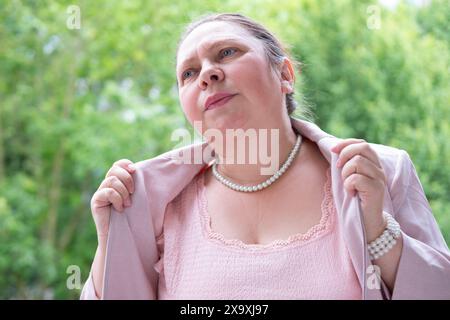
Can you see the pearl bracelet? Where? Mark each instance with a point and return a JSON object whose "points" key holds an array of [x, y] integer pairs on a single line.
{"points": [[381, 245]]}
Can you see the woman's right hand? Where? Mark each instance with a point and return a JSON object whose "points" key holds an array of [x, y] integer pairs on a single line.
{"points": [[115, 189]]}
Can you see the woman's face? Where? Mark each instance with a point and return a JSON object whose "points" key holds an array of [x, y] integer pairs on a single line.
{"points": [[223, 57]]}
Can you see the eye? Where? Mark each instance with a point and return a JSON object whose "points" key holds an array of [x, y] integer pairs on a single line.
{"points": [[224, 51], [186, 74]]}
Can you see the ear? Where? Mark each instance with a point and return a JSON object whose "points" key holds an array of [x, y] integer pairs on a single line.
{"points": [[287, 76]]}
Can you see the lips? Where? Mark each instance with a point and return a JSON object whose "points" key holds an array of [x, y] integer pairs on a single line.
{"points": [[219, 103], [217, 99]]}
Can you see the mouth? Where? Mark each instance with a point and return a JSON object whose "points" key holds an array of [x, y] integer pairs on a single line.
{"points": [[220, 102]]}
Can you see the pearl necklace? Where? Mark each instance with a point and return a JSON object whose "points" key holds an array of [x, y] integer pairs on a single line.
{"points": [[237, 187]]}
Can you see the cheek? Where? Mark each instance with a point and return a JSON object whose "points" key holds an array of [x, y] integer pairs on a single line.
{"points": [[188, 100], [253, 76]]}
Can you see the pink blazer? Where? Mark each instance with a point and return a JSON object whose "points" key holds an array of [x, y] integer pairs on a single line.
{"points": [[424, 268]]}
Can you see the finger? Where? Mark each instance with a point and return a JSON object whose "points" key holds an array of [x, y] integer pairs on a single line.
{"points": [[107, 196], [115, 183], [338, 147], [124, 176], [125, 164], [352, 150], [361, 165], [360, 183]]}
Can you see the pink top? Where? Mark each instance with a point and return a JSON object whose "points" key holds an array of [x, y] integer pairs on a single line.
{"points": [[198, 263]]}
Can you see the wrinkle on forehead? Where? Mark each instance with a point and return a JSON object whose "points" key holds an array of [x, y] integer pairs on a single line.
{"points": [[206, 45], [209, 33]]}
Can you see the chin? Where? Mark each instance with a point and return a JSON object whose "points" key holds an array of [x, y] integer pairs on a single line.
{"points": [[230, 120]]}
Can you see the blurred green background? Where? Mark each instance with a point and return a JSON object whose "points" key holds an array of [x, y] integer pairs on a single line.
{"points": [[73, 101]]}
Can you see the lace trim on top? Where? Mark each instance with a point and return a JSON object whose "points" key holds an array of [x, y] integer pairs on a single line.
{"points": [[315, 232]]}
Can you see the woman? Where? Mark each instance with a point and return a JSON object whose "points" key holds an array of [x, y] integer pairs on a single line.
{"points": [[339, 219]]}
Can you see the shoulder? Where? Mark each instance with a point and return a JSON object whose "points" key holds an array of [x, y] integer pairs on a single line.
{"points": [[394, 160], [389, 156], [171, 170], [191, 154], [398, 168], [396, 163]]}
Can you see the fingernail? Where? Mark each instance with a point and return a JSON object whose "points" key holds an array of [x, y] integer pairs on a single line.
{"points": [[131, 167]]}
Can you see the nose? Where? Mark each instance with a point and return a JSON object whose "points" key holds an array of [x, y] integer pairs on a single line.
{"points": [[209, 75]]}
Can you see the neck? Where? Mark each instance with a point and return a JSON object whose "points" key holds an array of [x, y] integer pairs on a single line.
{"points": [[260, 157]]}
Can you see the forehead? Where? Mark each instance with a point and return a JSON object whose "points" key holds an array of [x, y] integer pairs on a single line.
{"points": [[210, 33]]}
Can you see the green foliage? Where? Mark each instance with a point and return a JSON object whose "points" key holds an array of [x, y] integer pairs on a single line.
{"points": [[74, 101]]}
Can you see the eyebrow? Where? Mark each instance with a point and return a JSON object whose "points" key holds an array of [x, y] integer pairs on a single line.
{"points": [[209, 47]]}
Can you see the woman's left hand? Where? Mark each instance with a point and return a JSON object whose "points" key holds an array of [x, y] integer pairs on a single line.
{"points": [[363, 174]]}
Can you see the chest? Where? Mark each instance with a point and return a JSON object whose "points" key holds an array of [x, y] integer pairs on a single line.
{"points": [[290, 207]]}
